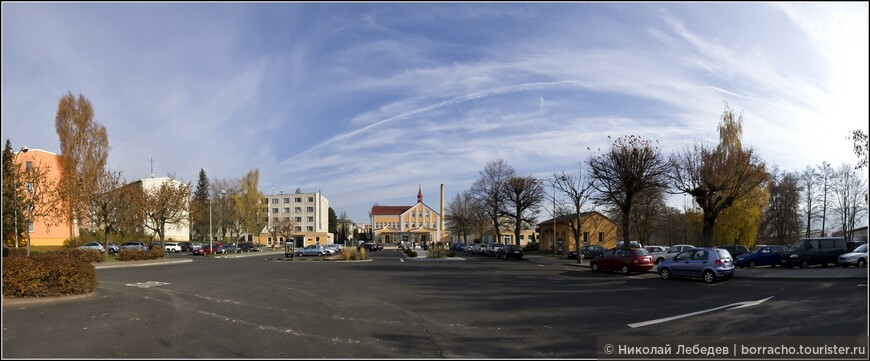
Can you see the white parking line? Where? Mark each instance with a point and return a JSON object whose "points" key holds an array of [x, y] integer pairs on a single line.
{"points": [[732, 306]]}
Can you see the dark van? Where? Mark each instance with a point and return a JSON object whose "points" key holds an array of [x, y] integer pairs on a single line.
{"points": [[810, 251]]}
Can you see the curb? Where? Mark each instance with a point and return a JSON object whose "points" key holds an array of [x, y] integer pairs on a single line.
{"points": [[315, 260], [39, 300], [107, 266], [738, 275]]}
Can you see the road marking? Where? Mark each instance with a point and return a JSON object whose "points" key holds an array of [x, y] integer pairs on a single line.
{"points": [[147, 284], [732, 306], [401, 260]]}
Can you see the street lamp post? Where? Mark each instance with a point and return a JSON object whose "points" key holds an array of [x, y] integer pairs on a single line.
{"points": [[24, 149], [210, 232]]}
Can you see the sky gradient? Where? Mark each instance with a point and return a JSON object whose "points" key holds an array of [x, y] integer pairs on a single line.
{"points": [[366, 101]]}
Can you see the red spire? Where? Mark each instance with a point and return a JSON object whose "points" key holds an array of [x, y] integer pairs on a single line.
{"points": [[420, 194]]}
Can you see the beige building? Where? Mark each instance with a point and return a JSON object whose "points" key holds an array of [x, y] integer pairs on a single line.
{"points": [[309, 214], [418, 223], [173, 232], [596, 229]]}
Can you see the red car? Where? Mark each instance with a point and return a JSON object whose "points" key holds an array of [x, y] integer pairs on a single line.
{"points": [[209, 249], [624, 261]]}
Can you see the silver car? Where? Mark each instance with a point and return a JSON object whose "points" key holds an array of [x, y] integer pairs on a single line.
{"points": [[312, 250], [710, 264], [93, 246], [857, 257], [658, 257]]}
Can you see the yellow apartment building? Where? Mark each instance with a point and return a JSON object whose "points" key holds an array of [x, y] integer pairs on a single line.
{"points": [[41, 233], [596, 229]]}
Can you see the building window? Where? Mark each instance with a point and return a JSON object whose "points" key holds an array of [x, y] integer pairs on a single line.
{"points": [[600, 237], [29, 166], [585, 237], [298, 199], [298, 229], [309, 209], [299, 219], [274, 219], [274, 210], [274, 200], [286, 200], [29, 187], [311, 219], [310, 229], [298, 209], [310, 199], [286, 209], [31, 227]]}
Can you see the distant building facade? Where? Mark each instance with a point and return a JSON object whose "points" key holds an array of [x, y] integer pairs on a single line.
{"points": [[596, 229], [307, 212], [173, 232], [61, 229], [418, 223]]}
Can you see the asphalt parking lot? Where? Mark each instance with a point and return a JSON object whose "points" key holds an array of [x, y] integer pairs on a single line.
{"points": [[260, 305]]}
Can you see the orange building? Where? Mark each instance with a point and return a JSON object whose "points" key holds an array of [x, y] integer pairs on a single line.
{"points": [[41, 232]]}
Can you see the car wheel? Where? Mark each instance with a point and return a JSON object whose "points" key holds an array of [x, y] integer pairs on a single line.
{"points": [[751, 264], [594, 267], [320, 253], [860, 262], [624, 270], [665, 273], [805, 264], [299, 254], [709, 276], [659, 261]]}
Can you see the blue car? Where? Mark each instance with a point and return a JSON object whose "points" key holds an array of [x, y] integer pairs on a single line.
{"points": [[709, 264], [762, 255]]}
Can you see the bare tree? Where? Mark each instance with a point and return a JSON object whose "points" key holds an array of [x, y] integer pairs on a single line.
{"points": [[110, 204], [807, 185], [717, 177], [84, 146], [826, 178], [35, 195], [488, 189], [646, 215], [620, 175], [458, 219], [523, 196], [850, 192], [224, 210], [165, 205], [578, 191], [860, 147]]}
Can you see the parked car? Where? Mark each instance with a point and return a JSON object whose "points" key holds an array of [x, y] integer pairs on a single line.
{"points": [[625, 261], [654, 249], [333, 248], [493, 251], [185, 246], [172, 246], [632, 244], [852, 245], [473, 248], [114, 248], [672, 252], [588, 252], [372, 247], [857, 258], [762, 255], [709, 264], [214, 248], [93, 246], [131, 245], [735, 250], [152, 245], [510, 251], [312, 250], [195, 246], [810, 251], [459, 247]]}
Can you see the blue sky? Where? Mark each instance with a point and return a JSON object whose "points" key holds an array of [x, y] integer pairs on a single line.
{"points": [[366, 101]]}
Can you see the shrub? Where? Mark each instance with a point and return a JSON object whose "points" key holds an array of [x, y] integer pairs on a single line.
{"points": [[50, 274], [351, 253], [451, 254], [362, 254], [531, 246], [412, 254], [437, 252], [77, 254], [139, 255]]}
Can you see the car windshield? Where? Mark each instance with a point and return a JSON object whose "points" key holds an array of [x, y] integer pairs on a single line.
{"points": [[862, 249], [641, 252], [723, 253]]}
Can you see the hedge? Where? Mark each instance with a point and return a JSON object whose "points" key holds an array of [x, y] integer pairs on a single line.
{"points": [[139, 255], [46, 275]]}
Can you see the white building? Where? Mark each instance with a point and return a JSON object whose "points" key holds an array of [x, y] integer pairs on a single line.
{"points": [[309, 212]]}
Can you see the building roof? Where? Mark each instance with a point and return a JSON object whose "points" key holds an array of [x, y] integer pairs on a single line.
{"points": [[389, 210]]}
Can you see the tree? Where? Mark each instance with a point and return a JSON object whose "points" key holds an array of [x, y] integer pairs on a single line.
{"points": [[285, 228], [717, 177], [84, 147], [740, 223], [850, 193], [110, 204], [578, 190], [250, 204], [166, 204], [14, 211], [620, 175], [826, 176], [860, 141], [782, 217], [458, 219], [199, 207], [523, 196], [332, 221], [488, 189], [645, 215], [807, 185], [223, 208]]}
